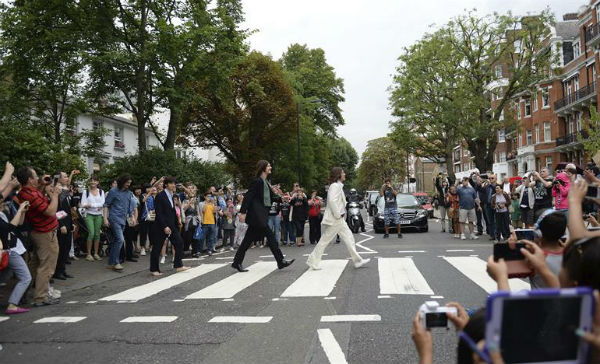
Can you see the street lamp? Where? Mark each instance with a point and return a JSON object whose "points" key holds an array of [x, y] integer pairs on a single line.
{"points": [[312, 101]]}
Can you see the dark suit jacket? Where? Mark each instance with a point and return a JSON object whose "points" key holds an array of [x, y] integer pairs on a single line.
{"points": [[253, 204], [165, 216]]}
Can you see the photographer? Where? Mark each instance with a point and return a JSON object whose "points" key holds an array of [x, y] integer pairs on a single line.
{"points": [[390, 210], [487, 189], [442, 190], [468, 202], [526, 202], [66, 227], [500, 202], [560, 191]]}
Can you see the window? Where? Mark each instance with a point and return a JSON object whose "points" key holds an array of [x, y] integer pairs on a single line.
{"points": [[547, 136], [499, 71], [535, 103], [528, 136], [576, 83], [570, 126], [96, 124], [520, 137], [501, 118], [537, 134], [465, 152], [517, 45], [457, 168], [545, 98], [518, 109], [119, 137], [527, 107], [578, 121], [501, 136], [502, 156], [538, 164], [576, 49], [549, 163]]}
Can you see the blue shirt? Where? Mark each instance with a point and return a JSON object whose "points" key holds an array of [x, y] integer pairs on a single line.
{"points": [[119, 205], [466, 197]]}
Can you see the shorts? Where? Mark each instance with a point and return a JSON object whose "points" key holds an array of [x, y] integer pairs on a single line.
{"points": [[464, 215], [389, 212]]}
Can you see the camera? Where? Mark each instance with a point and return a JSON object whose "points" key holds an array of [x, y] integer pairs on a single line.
{"points": [[48, 179], [484, 176], [434, 315], [558, 182], [593, 167]]}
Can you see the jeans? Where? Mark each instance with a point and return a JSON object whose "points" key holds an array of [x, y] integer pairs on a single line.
{"points": [[490, 220], [289, 231], [117, 242], [17, 265], [210, 236], [273, 223], [228, 235], [443, 217]]}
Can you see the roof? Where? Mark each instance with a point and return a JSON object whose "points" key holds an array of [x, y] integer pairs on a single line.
{"points": [[567, 29]]}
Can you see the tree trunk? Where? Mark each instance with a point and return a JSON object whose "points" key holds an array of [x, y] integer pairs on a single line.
{"points": [[174, 123], [141, 133]]}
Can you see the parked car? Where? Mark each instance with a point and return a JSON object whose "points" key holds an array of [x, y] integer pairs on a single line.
{"points": [[371, 201], [425, 201], [411, 212]]}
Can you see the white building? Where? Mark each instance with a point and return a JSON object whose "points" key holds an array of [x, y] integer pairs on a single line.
{"points": [[122, 137]]}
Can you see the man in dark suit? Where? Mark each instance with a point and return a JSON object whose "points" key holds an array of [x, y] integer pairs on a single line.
{"points": [[166, 226], [256, 205]]}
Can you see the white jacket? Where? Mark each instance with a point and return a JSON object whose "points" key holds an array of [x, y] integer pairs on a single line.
{"points": [[336, 204]]}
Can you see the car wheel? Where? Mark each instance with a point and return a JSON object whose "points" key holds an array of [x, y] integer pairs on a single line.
{"points": [[425, 229]]}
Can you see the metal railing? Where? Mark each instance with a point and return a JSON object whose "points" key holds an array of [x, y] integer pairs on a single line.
{"points": [[576, 96], [571, 138], [592, 32]]}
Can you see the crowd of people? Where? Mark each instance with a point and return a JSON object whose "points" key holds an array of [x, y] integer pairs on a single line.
{"points": [[47, 221], [564, 253]]}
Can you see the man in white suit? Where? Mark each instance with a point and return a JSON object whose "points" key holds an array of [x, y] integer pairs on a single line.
{"points": [[335, 222]]}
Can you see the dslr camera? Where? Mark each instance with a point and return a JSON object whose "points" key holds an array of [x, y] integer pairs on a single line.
{"points": [[434, 315], [484, 176]]}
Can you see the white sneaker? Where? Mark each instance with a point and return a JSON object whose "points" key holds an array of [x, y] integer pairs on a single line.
{"points": [[456, 236], [231, 249], [463, 237], [361, 263], [162, 260], [143, 251], [474, 237], [312, 266]]}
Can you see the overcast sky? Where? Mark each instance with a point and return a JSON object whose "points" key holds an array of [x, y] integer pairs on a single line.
{"points": [[362, 41]]}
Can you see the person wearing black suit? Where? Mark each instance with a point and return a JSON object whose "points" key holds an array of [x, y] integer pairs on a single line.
{"points": [[255, 213], [166, 226]]}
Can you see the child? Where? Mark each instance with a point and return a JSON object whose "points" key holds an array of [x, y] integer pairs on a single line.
{"points": [[229, 224], [515, 211]]}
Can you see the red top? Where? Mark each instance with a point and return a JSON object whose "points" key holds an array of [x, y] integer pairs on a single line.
{"points": [[38, 203], [315, 209]]}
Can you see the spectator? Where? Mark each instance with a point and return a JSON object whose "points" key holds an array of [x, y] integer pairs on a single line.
{"points": [[542, 190], [390, 209], [314, 217], [130, 233], [147, 218], [467, 204], [229, 225], [65, 223], [240, 227], [190, 208], [560, 191], [500, 202], [453, 210], [289, 231], [11, 239], [507, 186], [515, 211], [274, 216], [207, 213], [488, 188], [299, 214], [41, 217], [550, 227], [92, 202], [442, 192], [526, 202], [117, 207]]}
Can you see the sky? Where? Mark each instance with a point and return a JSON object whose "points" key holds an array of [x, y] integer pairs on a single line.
{"points": [[362, 41]]}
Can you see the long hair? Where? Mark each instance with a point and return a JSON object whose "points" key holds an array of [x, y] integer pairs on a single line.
{"points": [[261, 166], [122, 180], [335, 175]]}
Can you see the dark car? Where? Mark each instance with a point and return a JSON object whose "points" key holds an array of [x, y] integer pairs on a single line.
{"points": [[425, 201], [410, 211]]}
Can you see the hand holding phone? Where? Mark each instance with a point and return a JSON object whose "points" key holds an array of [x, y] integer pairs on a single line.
{"points": [[516, 263]]}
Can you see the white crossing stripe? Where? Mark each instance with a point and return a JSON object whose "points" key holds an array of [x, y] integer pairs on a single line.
{"points": [[4, 318], [150, 319], [332, 349], [152, 288], [412, 251], [60, 319], [242, 319], [401, 276], [458, 250], [317, 283], [230, 286], [476, 270], [350, 318]]}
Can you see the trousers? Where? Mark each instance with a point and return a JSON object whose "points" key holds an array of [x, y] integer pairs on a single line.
{"points": [[338, 228]]}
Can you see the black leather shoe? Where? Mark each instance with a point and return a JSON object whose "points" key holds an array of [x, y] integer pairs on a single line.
{"points": [[238, 267], [67, 261], [67, 275], [131, 260], [60, 276], [284, 263]]}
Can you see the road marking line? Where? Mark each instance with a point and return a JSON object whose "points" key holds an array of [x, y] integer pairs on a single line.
{"points": [[437, 297], [412, 251], [279, 299], [150, 319], [368, 237], [230, 286], [474, 255], [269, 256], [384, 296], [60, 319], [329, 298], [242, 319], [350, 318], [306, 255], [178, 300], [159, 285], [91, 302], [330, 346], [368, 252], [4, 319], [72, 302], [222, 258], [228, 300], [475, 269], [401, 276], [458, 250], [317, 283]]}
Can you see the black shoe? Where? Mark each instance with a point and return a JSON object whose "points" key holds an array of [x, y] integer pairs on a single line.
{"points": [[238, 267], [337, 241], [51, 281], [385, 236], [131, 260], [67, 261], [400, 236], [363, 230], [492, 238], [284, 263], [479, 233], [135, 256], [60, 276], [68, 275]]}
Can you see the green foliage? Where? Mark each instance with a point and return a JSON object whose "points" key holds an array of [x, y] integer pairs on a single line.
{"points": [[156, 163], [382, 159], [591, 144], [345, 156]]}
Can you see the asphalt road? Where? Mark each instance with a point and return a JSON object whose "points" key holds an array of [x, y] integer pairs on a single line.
{"points": [[381, 297]]}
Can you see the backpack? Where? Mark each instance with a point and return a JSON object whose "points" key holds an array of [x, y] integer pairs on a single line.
{"points": [[87, 192]]}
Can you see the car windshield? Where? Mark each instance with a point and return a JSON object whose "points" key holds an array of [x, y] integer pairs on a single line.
{"points": [[406, 200], [422, 199]]}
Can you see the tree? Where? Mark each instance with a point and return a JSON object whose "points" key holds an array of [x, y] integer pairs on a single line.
{"points": [[345, 156], [591, 144], [246, 117], [382, 159]]}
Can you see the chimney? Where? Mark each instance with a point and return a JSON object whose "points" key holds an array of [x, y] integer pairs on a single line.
{"points": [[570, 16]]}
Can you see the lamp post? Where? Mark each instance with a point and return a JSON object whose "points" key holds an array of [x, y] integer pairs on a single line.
{"points": [[313, 101]]}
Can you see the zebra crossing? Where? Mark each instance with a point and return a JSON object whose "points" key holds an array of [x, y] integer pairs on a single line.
{"points": [[396, 275]]}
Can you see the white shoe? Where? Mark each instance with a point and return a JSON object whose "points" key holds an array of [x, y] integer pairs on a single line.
{"points": [[463, 237], [456, 236], [361, 263], [474, 237], [162, 260], [312, 266], [143, 251], [231, 249]]}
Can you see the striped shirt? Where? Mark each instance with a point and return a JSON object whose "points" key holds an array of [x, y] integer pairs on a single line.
{"points": [[38, 203]]}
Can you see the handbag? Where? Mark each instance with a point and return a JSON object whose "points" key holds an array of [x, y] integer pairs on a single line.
{"points": [[199, 233], [3, 259]]}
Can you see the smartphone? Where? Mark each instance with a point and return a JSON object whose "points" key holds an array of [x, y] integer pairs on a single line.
{"points": [[516, 264], [525, 234], [592, 192], [593, 228]]}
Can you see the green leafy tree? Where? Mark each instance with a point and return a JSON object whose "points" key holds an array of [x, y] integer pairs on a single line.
{"points": [[382, 159], [591, 144], [345, 156]]}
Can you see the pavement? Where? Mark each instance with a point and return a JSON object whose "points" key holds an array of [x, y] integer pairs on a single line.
{"points": [[214, 315]]}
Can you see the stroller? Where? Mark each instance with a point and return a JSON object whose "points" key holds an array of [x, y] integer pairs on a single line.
{"points": [[80, 245]]}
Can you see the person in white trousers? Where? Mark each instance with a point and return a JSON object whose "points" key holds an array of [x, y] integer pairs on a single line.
{"points": [[335, 223]]}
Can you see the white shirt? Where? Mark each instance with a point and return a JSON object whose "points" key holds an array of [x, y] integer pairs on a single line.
{"points": [[19, 248], [506, 188], [96, 202]]}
